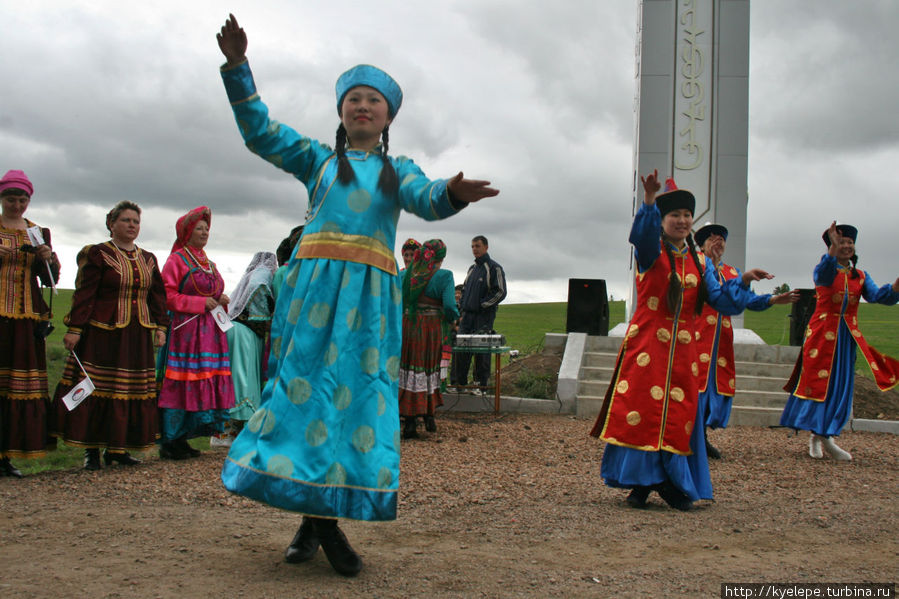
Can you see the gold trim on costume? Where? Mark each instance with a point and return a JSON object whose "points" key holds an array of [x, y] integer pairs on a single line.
{"points": [[351, 248]]}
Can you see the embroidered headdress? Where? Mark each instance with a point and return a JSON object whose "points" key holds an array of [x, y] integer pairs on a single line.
{"points": [[185, 226], [675, 199], [365, 74]]}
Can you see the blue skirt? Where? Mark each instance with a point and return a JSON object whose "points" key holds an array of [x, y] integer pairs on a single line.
{"points": [[325, 440], [827, 417], [717, 407], [626, 467]]}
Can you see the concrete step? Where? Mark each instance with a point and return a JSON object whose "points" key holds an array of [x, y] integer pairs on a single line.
{"points": [[592, 388], [754, 416], [603, 375], [764, 369], [588, 406], [760, 383], [595, 358], [760, 399], [597, 343]]}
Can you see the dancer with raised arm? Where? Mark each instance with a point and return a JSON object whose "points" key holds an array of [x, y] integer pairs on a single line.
{"points": [[325, 441]]}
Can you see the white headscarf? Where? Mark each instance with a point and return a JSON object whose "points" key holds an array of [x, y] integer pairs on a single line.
{"points": [[259, 272]]}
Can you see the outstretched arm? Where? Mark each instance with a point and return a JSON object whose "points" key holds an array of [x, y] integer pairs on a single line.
{"points": [[755, 274], [469, 190], [232, 41]]}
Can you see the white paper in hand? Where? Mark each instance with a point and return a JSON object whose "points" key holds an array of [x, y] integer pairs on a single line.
{"points": [[78, 393], [221, 318], [37, 238]]}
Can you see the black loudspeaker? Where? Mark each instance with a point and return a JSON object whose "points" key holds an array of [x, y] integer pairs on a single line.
{"points": [[801, 314], [588, 307]]}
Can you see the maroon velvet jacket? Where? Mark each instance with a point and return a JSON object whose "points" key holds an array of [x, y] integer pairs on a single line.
{"points": [[112, 289]]}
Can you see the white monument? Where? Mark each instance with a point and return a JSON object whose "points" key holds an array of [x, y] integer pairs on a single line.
{"points": [[692, 110]]}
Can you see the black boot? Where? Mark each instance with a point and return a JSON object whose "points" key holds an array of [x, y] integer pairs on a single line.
{"points": [[637, 497], [185, 447], [430, 424], [124, 458], [169, 450], [337, 549], [710, 449], [304, 545], [92, 459], [674, 496], [409, 428], [7, 469]]}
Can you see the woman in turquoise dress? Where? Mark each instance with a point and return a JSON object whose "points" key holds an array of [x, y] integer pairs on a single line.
{"points": [[326, 440]]}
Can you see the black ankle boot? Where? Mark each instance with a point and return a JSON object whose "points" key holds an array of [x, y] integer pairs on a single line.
{"points": [[185, 447], [304, 545], [674, 496], [169, 450], [637, 497], [409, 428], [124, 458], [430, 424], [337, 549], [92, 459]]}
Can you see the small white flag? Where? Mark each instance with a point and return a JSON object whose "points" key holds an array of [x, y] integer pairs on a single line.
{"points": [[37, 238], [78, 393], [221, 318]]}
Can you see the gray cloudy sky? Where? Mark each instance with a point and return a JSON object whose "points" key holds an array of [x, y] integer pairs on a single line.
{"points": [[108, 100]]}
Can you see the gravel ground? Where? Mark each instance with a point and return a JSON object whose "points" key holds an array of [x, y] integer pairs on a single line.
{"points": [[507, 506]]}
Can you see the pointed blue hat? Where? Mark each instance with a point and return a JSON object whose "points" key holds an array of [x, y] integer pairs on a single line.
{"points": [[365, 74]]}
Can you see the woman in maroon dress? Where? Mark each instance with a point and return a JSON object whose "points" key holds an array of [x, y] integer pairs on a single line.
{"points": [[24, 318], [118, 314]]}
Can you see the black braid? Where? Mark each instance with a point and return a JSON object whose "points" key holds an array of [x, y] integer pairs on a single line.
{"points": [[673, 296], [387, 181], [703, 290], [854, 260], [344, 171]]}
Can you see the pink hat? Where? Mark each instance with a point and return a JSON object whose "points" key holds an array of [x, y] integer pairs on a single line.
{"points": [[16, 180]]}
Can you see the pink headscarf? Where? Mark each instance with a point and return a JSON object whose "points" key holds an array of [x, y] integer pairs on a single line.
{"points": [[185, 226], [17, 180]]}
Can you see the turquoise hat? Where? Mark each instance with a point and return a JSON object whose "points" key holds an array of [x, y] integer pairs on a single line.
{"points": [[365, 74]]}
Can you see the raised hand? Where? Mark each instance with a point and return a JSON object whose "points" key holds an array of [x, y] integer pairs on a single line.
{"points": [[651, 186], [755, 274], [835, 237], [232, 41], [469, 190]]}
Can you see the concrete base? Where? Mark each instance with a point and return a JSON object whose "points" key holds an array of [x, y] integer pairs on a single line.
{"points": [[463, 402]]}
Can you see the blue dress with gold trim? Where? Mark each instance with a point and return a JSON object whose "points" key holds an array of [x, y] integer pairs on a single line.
{"points": [[325, 440]]}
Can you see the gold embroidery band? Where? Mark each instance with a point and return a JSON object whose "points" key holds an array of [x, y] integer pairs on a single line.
{"points": [[351, 248]]}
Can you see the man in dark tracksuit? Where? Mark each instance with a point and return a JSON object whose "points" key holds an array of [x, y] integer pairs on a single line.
{"points": [[485, 288]]}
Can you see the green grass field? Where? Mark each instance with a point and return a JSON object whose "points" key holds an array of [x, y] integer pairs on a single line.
{"points": [[524, 326]]}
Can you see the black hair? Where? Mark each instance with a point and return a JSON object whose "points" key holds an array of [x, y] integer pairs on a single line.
{"points": [[14, 191], [482, 239], [117, 210], [387, 181], [674, 295], [854, 260], [285, 248]]}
